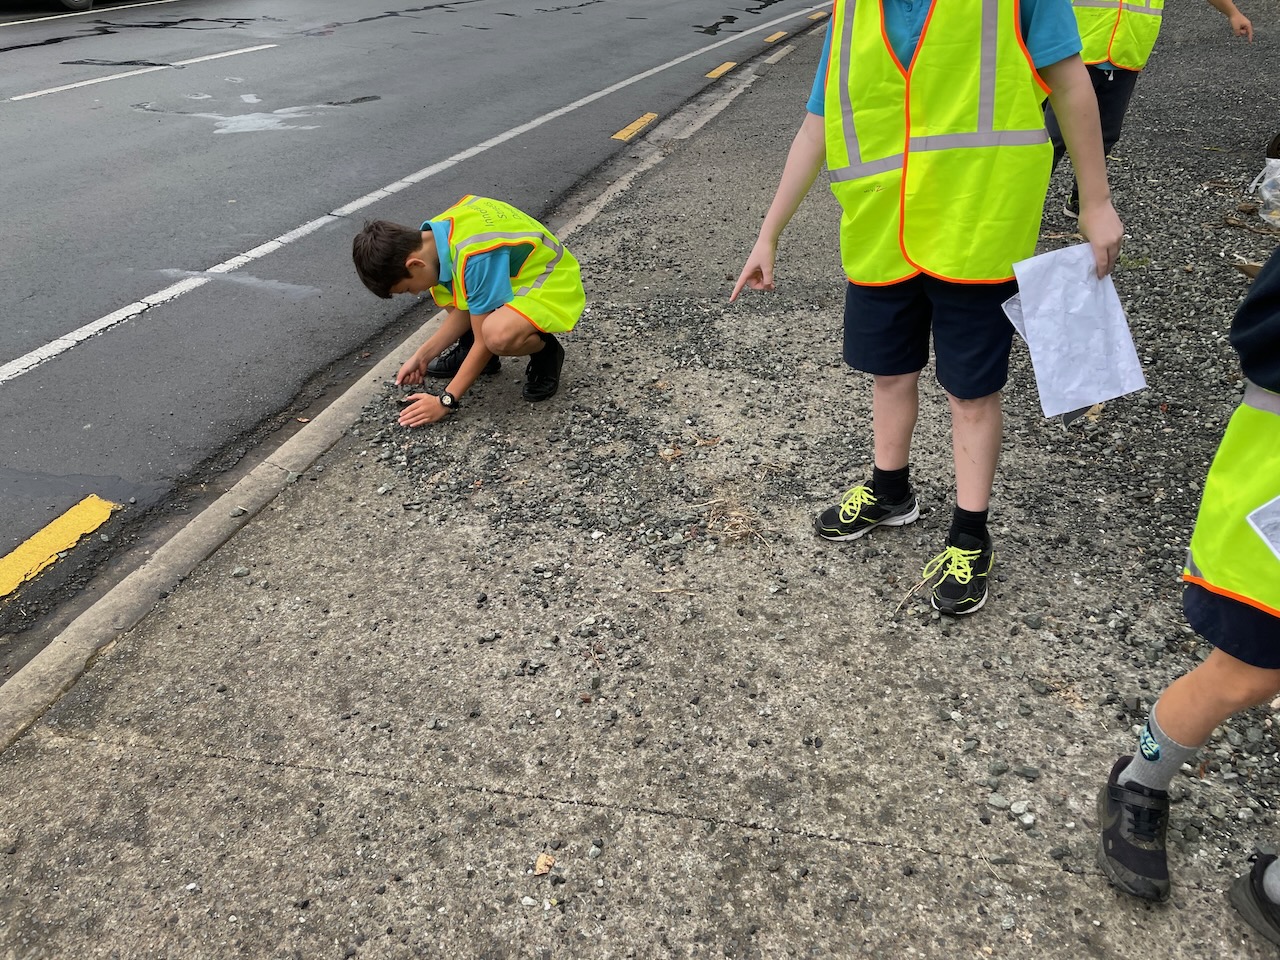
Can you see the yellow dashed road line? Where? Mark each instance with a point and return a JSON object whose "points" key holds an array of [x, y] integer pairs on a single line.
{"points": [[43, 548], [627, 132], [721, 70], [820, 15], [775, 37]]}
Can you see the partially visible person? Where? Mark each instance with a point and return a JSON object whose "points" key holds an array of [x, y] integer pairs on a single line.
{"points": [[1232, 599], [506, 281], [1118, 37]]}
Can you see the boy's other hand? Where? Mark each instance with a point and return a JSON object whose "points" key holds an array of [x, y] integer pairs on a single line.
{"points": [[1241, 26], [758, 271], [425, 408], [1101, 226], [411, 371]]}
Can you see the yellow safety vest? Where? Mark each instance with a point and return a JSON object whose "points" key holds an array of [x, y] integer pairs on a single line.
{"points": [[1122, 32], [1235, 547], [940, 167], [478, 225]]}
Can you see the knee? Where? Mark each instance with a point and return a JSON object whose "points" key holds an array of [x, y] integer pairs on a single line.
{"points": [[899, 383], [497, 339], [974, 407]]}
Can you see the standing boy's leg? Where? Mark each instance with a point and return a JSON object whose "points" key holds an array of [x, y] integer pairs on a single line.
{"points": [[895, 407], [1133, 806], [972, 339], [886, 334], [977, 427]]}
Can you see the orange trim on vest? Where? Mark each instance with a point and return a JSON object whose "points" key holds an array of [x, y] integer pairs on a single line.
{"points": [[1220, 591], [525, 315]]}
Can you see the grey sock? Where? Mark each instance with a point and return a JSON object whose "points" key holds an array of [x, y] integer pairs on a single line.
{"points": [[1271, 881], [1157, 758]]}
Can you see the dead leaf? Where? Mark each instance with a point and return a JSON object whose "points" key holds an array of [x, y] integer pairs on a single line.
{"points": [[543, 864]]}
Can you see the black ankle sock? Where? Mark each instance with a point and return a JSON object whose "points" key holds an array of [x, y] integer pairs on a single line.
{"points": [[891, 486], [971, 522]]}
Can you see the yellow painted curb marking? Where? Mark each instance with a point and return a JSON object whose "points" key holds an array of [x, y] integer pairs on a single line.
{"points": [[775, 37], [721, 70], [626, 133], [43, 548]]}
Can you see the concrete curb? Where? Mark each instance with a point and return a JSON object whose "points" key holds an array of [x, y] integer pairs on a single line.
{"points": [[35, 688]]}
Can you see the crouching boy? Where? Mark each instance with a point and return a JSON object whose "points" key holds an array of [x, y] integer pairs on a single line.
{"points": [[507, 283]]}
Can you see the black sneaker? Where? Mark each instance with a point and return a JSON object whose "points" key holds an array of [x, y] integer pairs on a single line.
{"points": [[542, 379], [1250, 899], [450, 359], [1132, 822], [962, 571], [859, 511], [1072, 207]]}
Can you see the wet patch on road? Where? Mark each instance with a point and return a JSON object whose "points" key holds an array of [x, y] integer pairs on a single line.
{"points": [[282, 119]]}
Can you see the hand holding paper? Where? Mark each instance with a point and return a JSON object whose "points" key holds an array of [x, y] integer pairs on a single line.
{"points": [[1075, 329]]}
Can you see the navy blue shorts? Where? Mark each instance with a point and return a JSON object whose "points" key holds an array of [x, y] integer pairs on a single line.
{"points": [[886, 332], [1245, 632]]}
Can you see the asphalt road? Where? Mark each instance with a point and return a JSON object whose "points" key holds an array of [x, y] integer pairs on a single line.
{"points": [[180, 181]]}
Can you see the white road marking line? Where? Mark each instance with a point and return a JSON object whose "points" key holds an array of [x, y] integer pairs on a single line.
{"points": [[134, 73], [28, 362], [82, 13], [782, 52]]}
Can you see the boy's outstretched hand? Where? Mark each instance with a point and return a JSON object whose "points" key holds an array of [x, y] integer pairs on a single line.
{"points": [[758, 271], [1101, 226], [425, 408]]}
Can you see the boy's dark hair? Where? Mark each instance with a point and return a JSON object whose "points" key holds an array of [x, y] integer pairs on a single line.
{"points": [[379, 252]]}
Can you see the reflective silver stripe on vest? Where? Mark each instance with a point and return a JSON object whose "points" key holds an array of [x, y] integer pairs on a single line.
{"points": [[985, 136], [546, 239], [1260, 399], [1113, 5], [851, 171], [1191, 566], [1005, 138], [854, 171]]}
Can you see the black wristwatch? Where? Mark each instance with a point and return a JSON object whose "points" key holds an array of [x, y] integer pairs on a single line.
{"points": [[449, 401]]}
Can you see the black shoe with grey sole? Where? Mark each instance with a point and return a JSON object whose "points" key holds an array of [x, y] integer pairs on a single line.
{"points": [[450, 359], [1250, 898], [859, 512], [1132, 822], [542, 379], [963, 570]]}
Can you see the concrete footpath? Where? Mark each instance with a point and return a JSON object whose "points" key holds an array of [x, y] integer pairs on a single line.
{"points": [[577, 680]]}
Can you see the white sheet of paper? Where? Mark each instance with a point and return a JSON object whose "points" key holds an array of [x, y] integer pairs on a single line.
{"points": [[1081, 350]]}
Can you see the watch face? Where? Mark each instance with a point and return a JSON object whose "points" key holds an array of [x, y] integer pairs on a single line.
{"points": [[447, 399]]}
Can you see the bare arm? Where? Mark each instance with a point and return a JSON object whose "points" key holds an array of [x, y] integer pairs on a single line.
{"points": [[454, 325], [804, 161], [1240, 24], [1076, 107], [426, 407]]}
